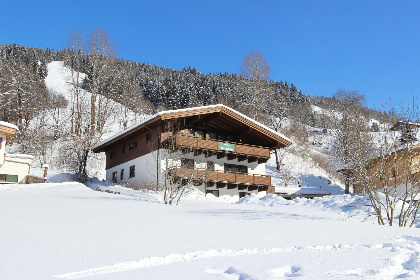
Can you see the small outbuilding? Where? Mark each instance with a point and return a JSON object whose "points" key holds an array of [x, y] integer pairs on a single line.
{"points": [[14, 168]]}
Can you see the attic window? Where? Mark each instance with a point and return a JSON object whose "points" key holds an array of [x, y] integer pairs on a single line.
{"points": [[123, 150], [148, 136], [132, 146], [112, 155]]}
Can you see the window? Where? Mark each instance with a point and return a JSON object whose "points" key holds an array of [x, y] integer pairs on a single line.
{"points": [[215, 193], [148, 136], [132, 171], [221, 137], [210, 165], [112, 155], [122, 174], [1, 141], [186, 162], [114, 177], [196, 130], [9, 178], [123, 150], [243, 194], [236, 168], [200, 133], [191, 132], [132, 146]]}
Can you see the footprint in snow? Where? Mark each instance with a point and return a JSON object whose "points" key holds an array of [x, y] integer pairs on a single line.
{"points": [[286, 271], [231, 273]]}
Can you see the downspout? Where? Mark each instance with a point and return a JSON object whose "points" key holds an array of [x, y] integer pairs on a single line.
{"points": [[157, 157]]}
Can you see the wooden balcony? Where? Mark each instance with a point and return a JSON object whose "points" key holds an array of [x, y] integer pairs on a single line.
{"points": [[222, 146], [220, 176]]}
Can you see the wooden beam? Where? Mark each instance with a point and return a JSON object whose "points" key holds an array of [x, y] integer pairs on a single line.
{"points": [[262, 160], [252, 159], [242, 157], [221, 155], [212, 117], [232, 156], [192, 119]]}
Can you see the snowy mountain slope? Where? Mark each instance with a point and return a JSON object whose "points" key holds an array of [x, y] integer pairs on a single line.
{"points": [[68, 231], [59, 80]]}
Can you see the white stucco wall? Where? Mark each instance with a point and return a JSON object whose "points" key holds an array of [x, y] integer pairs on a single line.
{"points": [[145, 169], [17, 165]]}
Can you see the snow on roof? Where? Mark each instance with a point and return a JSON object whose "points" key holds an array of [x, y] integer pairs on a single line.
{"points": [[126, 130], [184, 110], [6, 124]]}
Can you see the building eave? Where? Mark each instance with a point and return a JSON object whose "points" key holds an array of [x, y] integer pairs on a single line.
{"points": [[188, 112]]}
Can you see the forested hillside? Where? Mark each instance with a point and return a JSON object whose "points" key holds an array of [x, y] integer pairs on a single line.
{"points": [[98, 79]]}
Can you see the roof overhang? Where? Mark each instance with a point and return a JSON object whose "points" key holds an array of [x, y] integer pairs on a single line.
{"points": [[7, 129], [281, 140]]}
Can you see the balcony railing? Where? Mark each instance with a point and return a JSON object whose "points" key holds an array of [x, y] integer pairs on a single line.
{"points": [[220, 176], [217, 145]]}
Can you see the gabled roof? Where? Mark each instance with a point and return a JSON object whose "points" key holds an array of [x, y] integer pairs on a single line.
{"points": [[8, 129], [188, 112]]}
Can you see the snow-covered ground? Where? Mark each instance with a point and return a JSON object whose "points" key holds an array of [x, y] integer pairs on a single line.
{"points": [[69, 231]]}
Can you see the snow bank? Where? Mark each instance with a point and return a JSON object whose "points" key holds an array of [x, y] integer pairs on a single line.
{"points": [[69, 231]]}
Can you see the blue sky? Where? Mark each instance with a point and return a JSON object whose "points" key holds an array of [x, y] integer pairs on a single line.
{"points": [[320, 46]]}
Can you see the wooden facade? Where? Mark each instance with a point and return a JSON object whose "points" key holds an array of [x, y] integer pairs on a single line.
{"points": [[223, 177], [213, 130], [394, 169]]}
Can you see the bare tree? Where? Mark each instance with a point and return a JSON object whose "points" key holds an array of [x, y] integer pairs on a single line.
{"points": [[102, 76], [22, 96], [73, 60], [392, 180], [353, 143], [257, 95], [255, 67]]}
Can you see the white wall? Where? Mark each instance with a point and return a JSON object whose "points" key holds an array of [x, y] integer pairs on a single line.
{"points": [[17, 165], [145, 166], [145, 169]]}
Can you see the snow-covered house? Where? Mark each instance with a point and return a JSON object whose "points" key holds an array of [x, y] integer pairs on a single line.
{"points": [[14, 168], [218, 149]]}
